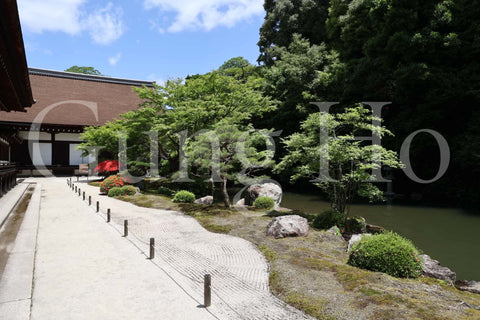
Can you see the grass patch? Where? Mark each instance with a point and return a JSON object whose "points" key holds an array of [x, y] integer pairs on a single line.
{"points": [[95, 183], [151, 201], [269, 254]]}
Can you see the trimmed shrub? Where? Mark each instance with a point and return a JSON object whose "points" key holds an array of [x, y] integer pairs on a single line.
{"points": [[328, 219], [184, 196], [122, 191], [111, 182], [356, 225], [264, 203], [114, 192], [389, 253], [166, 191]]}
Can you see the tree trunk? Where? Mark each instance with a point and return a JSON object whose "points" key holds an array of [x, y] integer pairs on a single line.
{"points": [[226, 198]]}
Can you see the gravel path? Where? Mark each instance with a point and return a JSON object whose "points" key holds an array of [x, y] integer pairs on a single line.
{"points": [[186, 251]]}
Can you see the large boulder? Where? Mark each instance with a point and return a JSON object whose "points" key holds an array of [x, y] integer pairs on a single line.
{"points": [[433, 269], [205, 200], [288, 226], [356, 238], [468, 285], [269, 189]]}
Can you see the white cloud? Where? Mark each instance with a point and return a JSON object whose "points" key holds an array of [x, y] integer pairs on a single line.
{"points": [[206, 14], [69, 16], [51, 15], [114, 60], [105, 25]]}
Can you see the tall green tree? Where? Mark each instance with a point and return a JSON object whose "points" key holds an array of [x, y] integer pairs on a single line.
{"points": [[84, 70], [350, 162], [284, 18], [303, 73]]}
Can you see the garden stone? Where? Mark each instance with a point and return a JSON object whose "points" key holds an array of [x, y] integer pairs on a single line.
{"points": [[269, 189], [371, 228], [468, 285], [433, 269], [335, 231], [356, 238], [240, 202], [288, 226], [205, 200]]}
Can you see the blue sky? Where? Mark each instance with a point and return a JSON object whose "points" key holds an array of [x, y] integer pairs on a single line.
{"points": [[140, 39]]}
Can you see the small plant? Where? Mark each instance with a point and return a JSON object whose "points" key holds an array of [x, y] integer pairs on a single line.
{"points": [[328, 219], [111, 182], [184, 196], [122, 191], [264, 203], [389, 253]]}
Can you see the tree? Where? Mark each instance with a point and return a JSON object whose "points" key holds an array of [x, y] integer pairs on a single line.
{"points": [[237, 62], [302, 74], [350, 161], [176, 108], [84, 70], [223, 151], [284, 18]]}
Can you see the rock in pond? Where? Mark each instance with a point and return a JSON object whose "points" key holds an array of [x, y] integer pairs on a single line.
{"points": [[433, 269], [288, 226], [468, 285], [356, 238], [205, 200], [269, 189]]}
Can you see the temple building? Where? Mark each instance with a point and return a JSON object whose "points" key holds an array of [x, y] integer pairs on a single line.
{"points": [[65, 103]]}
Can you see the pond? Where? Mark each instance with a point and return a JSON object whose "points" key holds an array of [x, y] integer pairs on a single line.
{"points": [[450, 236]]}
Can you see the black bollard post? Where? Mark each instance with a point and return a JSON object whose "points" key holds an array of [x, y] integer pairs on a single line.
{"points": [[89, 200], [98, 206], [79, 192], [108, 215], [125, 228], [83, 195], [207, 301], [152, 248], [75, 189]]}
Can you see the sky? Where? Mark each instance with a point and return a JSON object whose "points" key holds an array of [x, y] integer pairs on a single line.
{"points": [[152, 40]]}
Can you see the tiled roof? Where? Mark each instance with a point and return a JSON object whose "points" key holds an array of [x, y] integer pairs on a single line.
{"points": [[71, 92]]}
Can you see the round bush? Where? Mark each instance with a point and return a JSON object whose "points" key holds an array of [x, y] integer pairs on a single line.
{"points": [[111, 182], [123, 191], [389, 253], [114, 192], [184, 196], [328, 219], [264, 203]]}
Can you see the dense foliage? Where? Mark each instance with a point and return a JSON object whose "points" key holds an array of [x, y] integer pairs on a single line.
{"points": [[264, 203], [389, 253], [419, 55], [327, 219], [122, 191], [184, 196], [111, 182]]}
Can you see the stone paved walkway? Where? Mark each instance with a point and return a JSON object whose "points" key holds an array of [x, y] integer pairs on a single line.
{"points": [[86, 269], [187, 252]]}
